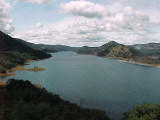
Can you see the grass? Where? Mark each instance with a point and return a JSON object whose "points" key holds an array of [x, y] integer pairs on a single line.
{"points": [[30, 60], [27, 69], [2, 83], [37, 85], [17, 68], [35, 69], [7, 74]]}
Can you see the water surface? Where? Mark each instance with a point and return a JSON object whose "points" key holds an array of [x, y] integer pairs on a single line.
{"points": [[96, 82]]}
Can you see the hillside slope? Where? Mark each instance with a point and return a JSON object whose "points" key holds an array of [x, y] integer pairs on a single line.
{"points": [[13, 52], [114, 49], [127, 53], [149, 49], [110, 49]]}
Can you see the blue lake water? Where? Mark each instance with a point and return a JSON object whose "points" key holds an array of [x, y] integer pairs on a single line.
{"points": [[96, 82]]}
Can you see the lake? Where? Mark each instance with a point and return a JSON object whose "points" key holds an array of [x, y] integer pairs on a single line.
{"points": [[96, 82]]}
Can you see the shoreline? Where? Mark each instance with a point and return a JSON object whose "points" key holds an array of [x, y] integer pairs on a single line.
{"points": [[27, 69], [137, 63], [125, 61], [21, 67]]}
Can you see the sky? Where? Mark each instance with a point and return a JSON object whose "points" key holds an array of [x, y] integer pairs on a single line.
{"points": [[81, 22]]}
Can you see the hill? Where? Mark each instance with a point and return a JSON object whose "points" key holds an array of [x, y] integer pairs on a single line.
{"points": [[13, 53], [114, 49], [110, 49], [127, 53], [48, 48]]}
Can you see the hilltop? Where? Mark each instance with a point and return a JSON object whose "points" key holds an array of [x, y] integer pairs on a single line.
{"points": [[114, 49], [111, 49]]}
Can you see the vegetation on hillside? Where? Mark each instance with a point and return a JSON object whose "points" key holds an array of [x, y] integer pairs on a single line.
{"points": [[23, 101], [13, 53], [150, 49], [127, 53], [113, 49], [110, 49], [146, 111]]}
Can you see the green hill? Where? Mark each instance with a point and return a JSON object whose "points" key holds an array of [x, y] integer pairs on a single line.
{"points": [[110, 49], [127, 53], [114, 49], [13, 52]]}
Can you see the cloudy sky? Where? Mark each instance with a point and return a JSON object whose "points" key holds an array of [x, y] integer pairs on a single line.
{"points": [[81, 22]]}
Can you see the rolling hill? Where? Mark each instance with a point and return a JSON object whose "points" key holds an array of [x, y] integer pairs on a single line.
{"points": [[128, 53], [13, 52], [110, 49], [114, 49]]}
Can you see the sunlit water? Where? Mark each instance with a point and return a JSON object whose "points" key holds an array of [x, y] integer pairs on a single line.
{"points": [[96, 82]]}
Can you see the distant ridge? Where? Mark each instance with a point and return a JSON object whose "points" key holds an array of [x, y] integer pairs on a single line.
{"points": [[149, 49], [48, 48]]}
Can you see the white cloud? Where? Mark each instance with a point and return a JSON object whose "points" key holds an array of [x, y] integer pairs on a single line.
{"points": [[6, 24], [37, 1], [36, 26], [84, 8], [14, 2], [141, 3], [128, 26]]}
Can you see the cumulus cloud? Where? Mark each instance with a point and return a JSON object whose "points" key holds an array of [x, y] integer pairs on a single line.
{"points": [[128, 20], [128, 26], [6, 24], [84, 8]]}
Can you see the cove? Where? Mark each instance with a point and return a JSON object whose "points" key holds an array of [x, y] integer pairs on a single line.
{"points": [[96, 82]]}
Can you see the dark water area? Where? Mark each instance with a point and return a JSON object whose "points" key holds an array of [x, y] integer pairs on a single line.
{"points": [[96, 82]]}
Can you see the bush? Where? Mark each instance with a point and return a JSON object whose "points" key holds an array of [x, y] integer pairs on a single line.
{"points": [[146, 111]]}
